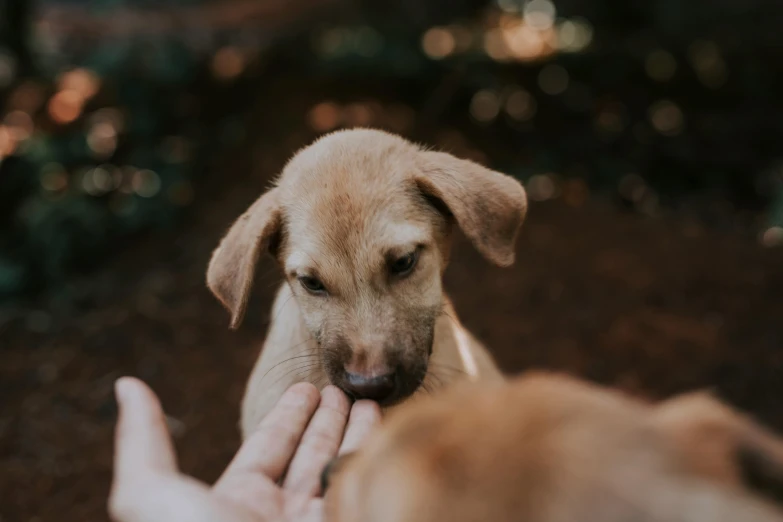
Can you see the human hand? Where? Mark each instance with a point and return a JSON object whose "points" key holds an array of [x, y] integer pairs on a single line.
{"points": [[293, 443]]}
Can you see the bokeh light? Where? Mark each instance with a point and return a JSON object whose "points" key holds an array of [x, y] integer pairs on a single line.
{"points": [[103, 178], [228, 63], [706, 59], [511, 6], [358, 115], [66, 106], [438, 42], [99, 180], [28, 96], [667, 118], [574, 35], [7, 69], [361, 40], [575, 192], [146, 183], [539, 14], [82, 81], [102, 139], [109, 115], [632, 187], [20, 124], [7, 142], [325, 116], [127, 175], [541, 187], [772, 237], [494, 45], [524, 42], [485, 106], [330, 41], [54, 177], [520, 105]]}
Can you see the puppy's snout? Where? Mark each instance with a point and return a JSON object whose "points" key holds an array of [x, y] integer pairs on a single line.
{"points": [[378, 388]]}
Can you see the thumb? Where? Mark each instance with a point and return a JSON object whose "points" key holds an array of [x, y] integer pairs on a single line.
{"points": [[142, 444]]}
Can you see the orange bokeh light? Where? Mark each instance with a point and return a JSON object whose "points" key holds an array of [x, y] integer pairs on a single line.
{"points": [[228, 63], [7, 142], [83, 81], [324, 116], [66, 106]]}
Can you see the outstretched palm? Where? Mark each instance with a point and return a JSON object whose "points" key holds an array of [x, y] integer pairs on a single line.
{"points": [[296, 439]]}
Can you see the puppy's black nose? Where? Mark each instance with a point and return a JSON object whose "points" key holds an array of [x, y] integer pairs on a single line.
{"points": [[378, 388]]}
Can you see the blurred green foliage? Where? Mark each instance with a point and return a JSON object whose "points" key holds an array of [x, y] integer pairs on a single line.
{"points": [[663, 104]]}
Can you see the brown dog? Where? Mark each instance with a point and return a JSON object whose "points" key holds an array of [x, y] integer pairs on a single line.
{"points": [[548, 448], [361, 222]]}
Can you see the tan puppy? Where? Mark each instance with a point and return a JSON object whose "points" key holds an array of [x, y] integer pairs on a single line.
{"points": [[548, 448], [361, 223]]}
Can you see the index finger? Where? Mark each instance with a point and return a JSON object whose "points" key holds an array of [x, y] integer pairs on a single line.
{"points": [[270, 448], [319, 443]]}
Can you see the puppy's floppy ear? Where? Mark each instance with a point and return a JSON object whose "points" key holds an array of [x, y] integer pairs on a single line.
{"points": [[488, 206], [232, 267]]}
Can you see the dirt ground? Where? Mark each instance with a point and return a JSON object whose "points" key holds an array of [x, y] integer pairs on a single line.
{"points": [[652, 306]]}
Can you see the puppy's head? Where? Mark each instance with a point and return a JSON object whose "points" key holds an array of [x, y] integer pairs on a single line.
{"points": [[360, 222], [547, 448]]}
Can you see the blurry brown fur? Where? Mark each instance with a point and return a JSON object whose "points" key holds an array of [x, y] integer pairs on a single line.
{"points": [[346, 213], [549, 448]]}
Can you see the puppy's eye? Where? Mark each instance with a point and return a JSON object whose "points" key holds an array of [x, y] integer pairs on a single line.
{"points": [[404, 265], [312, 285]]}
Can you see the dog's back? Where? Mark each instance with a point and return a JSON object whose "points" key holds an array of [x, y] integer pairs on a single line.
{"points": [[546, 448]]}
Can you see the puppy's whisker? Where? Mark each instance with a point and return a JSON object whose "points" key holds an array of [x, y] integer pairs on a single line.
{"points": [[297, 345], [302, 377], [288, 359], [291, 371], [306, 350]]}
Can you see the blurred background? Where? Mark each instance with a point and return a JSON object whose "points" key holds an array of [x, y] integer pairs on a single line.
{"points": [[648, 133]]}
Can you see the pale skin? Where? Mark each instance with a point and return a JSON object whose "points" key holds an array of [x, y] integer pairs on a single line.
{"points": [[303, 431]]}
